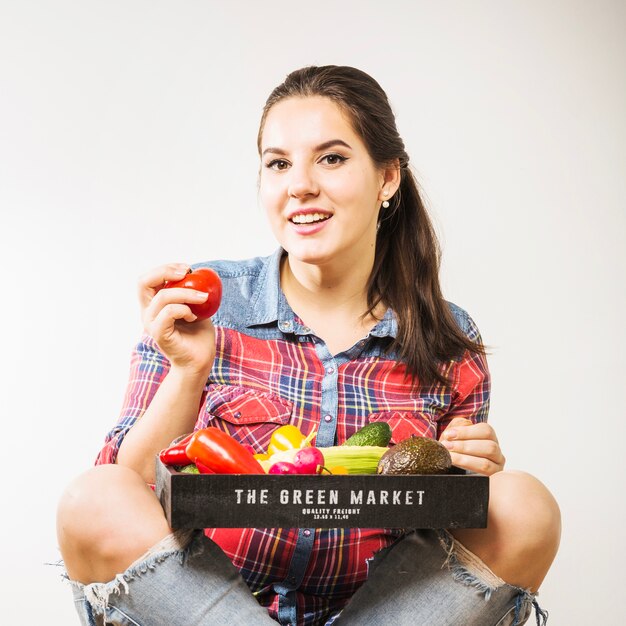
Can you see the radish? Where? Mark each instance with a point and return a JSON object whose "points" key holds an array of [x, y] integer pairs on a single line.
{"points": [[283, 467], [308, 461]]}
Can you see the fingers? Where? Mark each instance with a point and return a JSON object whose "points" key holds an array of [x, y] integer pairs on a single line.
{"points": [[169, 305], [473, 447], [484, 448], [477, 464], [162, 326], [456, 431], [155, 301], [153, 280]]}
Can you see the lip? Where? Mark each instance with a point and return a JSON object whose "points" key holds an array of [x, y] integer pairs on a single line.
{"points": [[312, 228], [308, 229]]}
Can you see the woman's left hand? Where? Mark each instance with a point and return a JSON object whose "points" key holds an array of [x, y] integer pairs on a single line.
{"points": [[473, 447]]}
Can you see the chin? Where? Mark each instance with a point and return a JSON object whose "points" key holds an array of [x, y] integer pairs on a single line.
{"points": [[310, 258], [311, 252]]}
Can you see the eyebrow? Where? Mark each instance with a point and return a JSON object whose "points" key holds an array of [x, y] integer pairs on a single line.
{"points": [[322, 146]]}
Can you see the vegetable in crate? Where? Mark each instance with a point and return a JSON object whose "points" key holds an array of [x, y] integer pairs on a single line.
{"points": [[374, 434], [220, 453], [283, 467], [309, 461], [176, 454], [286, 437], [356, 459], [416, 455]]}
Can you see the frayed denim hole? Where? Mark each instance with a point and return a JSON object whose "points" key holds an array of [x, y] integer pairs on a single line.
{"points": [[540, 614], [463, 575], [154, 557], [518, 609], [461, 570], [97, 594], [526, 600]]}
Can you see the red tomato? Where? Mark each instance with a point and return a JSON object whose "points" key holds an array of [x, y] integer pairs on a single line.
{"points": [[202, 279]]}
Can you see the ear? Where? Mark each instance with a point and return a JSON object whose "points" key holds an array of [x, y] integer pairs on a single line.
{"points": [[389, 180]]}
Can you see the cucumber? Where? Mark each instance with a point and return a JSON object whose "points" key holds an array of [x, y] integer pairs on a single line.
{"points": [[374, 434]]}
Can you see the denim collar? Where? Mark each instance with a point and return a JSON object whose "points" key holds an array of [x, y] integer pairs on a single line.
{"points": [[268, 304]]}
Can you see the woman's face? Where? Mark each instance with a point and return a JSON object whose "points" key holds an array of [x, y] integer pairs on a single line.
{"points": [[318, 184]]}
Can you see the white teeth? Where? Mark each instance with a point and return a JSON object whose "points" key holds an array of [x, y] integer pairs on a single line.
{"points": [[308, 218]]}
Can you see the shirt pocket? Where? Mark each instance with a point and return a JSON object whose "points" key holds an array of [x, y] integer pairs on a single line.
{"points": [[249, 415], [406, 423]]}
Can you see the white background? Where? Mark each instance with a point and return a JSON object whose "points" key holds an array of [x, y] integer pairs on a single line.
{"points": [[127, 139]]}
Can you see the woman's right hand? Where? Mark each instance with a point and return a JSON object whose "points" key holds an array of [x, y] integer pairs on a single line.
{"points": [[188, 344]]}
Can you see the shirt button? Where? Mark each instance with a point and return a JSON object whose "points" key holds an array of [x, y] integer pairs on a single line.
{"points": [[328, 418], [238, 414], [330, 370], [306, 329], [307, 532]]}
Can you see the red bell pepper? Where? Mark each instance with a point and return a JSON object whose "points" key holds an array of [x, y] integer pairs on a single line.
{"points": [[176, 454], [203, 469], [221, 453]]}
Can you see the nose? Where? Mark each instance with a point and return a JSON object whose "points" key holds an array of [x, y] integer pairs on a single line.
{"points": [[302, 181]]}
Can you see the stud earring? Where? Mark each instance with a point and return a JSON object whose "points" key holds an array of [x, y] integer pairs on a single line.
{"points": [[385, 202]]}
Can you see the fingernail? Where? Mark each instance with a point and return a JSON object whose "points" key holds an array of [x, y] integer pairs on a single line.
{"points": [[450, 433], [200, 295], [180, 273], [447, 444]]}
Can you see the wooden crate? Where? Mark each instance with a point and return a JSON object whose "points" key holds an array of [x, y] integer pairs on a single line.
{"points": [[353, 501]]}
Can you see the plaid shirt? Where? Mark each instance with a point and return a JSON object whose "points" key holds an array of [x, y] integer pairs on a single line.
{"points": [[271, 370]]}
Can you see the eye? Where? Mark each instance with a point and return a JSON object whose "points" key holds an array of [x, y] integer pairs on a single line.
{"points": [[333, 159], [278, 165]]}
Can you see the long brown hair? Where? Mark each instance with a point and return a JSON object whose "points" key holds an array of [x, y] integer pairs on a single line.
{"points": [[405, 275]]}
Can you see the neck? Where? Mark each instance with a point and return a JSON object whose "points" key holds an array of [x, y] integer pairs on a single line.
{"points": [[331, 303], [326, 288]]}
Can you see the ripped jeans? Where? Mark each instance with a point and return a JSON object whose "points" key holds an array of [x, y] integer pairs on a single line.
{"points": [[426, 578]]}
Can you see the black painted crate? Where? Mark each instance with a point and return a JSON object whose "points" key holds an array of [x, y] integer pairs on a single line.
{"points": [[352, 501]]}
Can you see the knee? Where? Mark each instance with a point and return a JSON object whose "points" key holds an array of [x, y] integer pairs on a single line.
{"points": [[85, 509], [524, 508], [106, 519], [94, 509]]}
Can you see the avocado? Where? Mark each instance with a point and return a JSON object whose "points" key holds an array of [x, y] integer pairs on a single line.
{"points": [[416, 455], [374, 434]]}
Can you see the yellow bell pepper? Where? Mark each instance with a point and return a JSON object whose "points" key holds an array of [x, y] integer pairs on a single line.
{"points": [[286, 437]]}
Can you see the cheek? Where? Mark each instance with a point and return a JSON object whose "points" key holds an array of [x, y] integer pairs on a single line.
{"points": [[271, 205], [269, 195]]}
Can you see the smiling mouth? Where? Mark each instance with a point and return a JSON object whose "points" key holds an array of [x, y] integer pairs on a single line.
{"points": [[309, 218]]}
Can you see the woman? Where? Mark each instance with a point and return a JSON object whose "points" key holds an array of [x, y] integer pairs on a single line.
{"points": [[344, 324]]}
